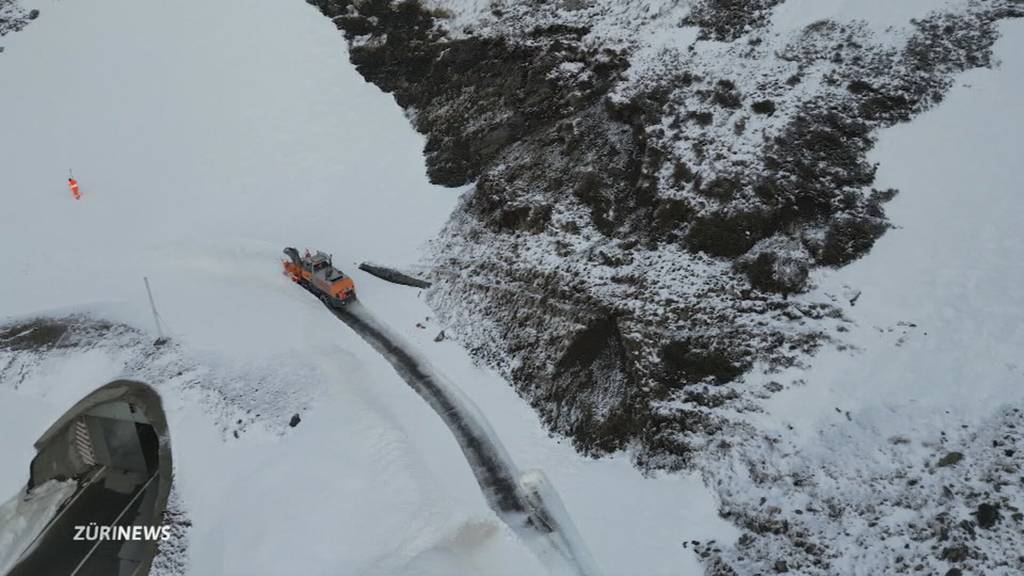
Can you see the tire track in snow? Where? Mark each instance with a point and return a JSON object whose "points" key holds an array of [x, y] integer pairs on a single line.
{"points": [[527, 503]]}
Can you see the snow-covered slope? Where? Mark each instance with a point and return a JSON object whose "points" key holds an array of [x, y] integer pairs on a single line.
{"points": [[206, 136], [655, 184], [907, 450], [666, 195]]}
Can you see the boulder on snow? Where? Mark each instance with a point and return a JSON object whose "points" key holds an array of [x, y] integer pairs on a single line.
{"points": [[987, 515], [295, 420]]}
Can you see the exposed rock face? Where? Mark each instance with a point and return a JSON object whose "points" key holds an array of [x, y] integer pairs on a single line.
{"points": [[729, 19], [644, 210], [473, 97]]}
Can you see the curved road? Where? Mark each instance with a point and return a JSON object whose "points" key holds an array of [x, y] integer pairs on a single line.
{"points": [[526, 503]]}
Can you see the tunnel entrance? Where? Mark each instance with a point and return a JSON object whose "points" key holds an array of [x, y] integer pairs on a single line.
{"points": [[113, 446]]}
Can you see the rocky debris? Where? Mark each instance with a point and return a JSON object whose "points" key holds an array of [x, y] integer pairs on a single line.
{"points": [[894, 512], [725, 20], [34, 334], [987, 515], [294, 421], [172, 558], [950, 459], [235, 397], [13, 17], [645, 219]]}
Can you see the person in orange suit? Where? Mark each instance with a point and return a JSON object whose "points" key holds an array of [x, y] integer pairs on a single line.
{"points": [[73, 184]]}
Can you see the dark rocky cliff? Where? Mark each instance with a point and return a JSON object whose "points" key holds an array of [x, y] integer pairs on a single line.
{"points": [[641, 227]]}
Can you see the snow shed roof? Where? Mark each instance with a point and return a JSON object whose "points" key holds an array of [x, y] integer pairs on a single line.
{"points": [[136, 394], [124, 401]]}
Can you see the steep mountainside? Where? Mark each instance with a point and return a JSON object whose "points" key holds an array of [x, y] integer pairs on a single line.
{"points": [[654, 183]]}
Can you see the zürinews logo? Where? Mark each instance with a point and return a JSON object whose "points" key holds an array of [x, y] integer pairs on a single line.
{"points": [[95, 533]]}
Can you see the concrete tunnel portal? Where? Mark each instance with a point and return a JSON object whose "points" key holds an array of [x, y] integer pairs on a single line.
{"points": [[114, 445]]}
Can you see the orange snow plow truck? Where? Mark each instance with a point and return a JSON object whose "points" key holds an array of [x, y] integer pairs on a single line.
{"points": [[316, 273]]}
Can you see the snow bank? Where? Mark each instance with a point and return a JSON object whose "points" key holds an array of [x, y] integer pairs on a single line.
{"points": [[529, 505], [632, 523]]}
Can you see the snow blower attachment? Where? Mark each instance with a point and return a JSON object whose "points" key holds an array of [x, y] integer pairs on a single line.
{"points": [[317, 274]]}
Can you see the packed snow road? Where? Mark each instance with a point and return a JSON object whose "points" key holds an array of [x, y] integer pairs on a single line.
{"points": [[540, 521]]}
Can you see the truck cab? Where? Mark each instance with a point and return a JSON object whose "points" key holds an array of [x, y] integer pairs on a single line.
{"points": [[316, 273]]}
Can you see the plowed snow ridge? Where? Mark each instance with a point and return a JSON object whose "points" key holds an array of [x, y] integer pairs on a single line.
{"points": [[527, 503]]}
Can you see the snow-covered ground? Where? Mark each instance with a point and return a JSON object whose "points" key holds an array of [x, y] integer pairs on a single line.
{"points": [[936, 369], [206, 136], [940, 317]]}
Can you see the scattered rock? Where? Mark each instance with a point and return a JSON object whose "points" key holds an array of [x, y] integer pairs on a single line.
{"points": [[950, 459], [763, 107], [295, 420], [957, 553], [987, 515]]}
